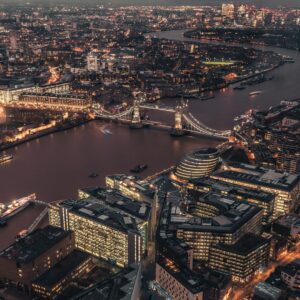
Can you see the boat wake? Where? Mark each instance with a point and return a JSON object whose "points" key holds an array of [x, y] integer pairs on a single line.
{"points": [[105, 130]]}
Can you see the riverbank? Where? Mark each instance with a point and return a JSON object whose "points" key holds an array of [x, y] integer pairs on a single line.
{"points": [[214, 88], [254, 44], [57, 128]]}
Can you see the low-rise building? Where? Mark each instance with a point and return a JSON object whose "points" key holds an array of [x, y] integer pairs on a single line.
{"points": [[31, 256], [53, 282], [125, 285], [290, 275]]}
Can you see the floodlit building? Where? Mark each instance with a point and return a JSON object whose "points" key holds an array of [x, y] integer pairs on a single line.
{"points": [[285, 186], [130, 186], [198, 164], [209, 219], [55, 101], [262, 199], [241, 260], [228, 10], [106, 225]]}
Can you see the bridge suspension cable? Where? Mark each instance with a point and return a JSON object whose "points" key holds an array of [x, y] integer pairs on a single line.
{"points": [[201, 128]]}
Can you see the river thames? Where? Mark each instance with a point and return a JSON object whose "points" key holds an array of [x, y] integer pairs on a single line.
{"points": [[55, 166]]}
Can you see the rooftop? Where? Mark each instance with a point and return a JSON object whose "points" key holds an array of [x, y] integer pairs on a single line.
{"points": [[267, 291], [118, 287], [260, 176], [35, 244], [245, 245], [230, 215], [289, 220], [62, 269], [231, 189], [111, 208], [118, 202]]}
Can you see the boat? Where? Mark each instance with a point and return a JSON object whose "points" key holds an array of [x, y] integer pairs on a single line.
{"points": [[10, 209], [5, 157], [139, 168], [93, 175], [255, 93], [288, 59], [239, 88]]}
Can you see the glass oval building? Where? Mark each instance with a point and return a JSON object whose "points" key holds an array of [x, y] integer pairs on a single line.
{"points": [[197, 164]]}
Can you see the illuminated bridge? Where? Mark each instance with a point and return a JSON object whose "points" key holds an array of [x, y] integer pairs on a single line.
{"points": [[184, 121]]}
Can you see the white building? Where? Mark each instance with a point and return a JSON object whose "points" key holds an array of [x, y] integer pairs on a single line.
{"points": [[93, 62]]}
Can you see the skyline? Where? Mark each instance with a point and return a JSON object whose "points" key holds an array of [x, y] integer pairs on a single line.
{"points": [[149, 152], [258, 3]]}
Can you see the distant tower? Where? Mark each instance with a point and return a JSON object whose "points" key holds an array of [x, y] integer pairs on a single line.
{"points": [[228, 11], [13, 41]]}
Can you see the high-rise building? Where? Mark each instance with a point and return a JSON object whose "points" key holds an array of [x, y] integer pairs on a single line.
{"points": [[228, 10], [241, 260], [207, 220], [106, 225], [197, 164], [174, 274], [237, 193], [285, 186], [13, 41]]}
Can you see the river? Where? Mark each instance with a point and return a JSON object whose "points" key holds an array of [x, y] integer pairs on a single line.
{"points": [[55, 166]]}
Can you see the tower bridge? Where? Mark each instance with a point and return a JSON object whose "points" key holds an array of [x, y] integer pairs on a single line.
{"points": [[184, 121]]}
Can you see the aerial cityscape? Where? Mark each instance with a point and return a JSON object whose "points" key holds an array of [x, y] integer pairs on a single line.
{"points": [[150, 150]]}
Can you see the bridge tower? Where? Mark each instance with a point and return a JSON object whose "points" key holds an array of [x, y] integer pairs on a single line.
{"points": [[178, 119], [177, 129], [136, 116]]}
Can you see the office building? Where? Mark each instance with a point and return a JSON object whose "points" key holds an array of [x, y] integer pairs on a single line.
{"points": [[228, 10], [107, 225], [207, 219], [31, 256], [285, 186], [264, 200], [175, 276], [131, 186], [55, 281], [241, 260], [197, 164]]}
